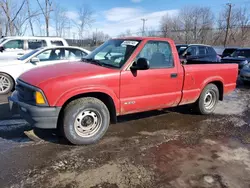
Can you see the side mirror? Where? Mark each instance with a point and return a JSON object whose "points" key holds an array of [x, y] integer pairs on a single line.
{"points": [[34, 60], [140, 64], [1, 48]]}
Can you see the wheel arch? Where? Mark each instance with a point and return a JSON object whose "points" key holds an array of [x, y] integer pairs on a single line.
{"points": [[105, 98], [219, 82]]}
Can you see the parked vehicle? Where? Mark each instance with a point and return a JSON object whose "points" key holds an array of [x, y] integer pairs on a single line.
{"points": [[240, 56], [14, 47], [181, 48], [228, 52], [10, 70], [87, 95], [198, 52], [245, 74]]}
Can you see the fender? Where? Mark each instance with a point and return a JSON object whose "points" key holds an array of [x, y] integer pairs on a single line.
{"points": [[84, 90], [212, 79]]}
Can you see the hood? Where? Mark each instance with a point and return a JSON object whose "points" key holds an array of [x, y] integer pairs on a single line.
{"points": [[4, 63], [70, 70]]}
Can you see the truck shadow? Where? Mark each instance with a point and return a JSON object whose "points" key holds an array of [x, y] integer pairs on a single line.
{"points": [[186, 109]]}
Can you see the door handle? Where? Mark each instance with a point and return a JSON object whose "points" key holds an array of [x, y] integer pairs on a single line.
{"points": [[173, 75]]}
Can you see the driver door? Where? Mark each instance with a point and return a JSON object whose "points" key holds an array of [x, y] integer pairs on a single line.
{"points": [[157, 87]]}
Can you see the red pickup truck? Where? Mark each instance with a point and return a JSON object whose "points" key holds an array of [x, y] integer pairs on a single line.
{"points": [[122, 76]]}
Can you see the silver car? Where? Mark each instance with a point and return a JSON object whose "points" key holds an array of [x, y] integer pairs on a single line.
{"points": [[245, 73]]}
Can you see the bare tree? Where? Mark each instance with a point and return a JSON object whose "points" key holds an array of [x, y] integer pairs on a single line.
{"points": [[61, 20], [11, 13], [85, 14], [126, 33], [99, 37], [170, 26], [243, 21], [46, 13], [30, 17]]}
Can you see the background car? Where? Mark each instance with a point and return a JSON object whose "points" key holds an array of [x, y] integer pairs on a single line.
{"points": [[181, 48], [198, 52], [14, 47], [240, 56], [227, 52], [10, 70], [245, 74]]}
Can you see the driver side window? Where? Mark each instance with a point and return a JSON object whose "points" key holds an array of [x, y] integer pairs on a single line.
{"points": [[49, 55], [158, 54], [192, 51], [14, 44]]}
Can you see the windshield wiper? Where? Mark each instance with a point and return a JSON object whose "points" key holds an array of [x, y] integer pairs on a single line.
{"points": [[91, 60], [109, 65]]}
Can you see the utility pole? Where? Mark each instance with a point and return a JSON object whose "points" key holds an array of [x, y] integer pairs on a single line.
{"points": [[143, 26], [228, 22], [96, 37]]}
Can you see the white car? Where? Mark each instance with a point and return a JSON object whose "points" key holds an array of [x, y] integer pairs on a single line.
{"points": [[11, 70], [14, 47]]}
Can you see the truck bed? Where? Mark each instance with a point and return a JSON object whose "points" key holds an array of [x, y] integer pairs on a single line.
{"points": [[197, 76]]}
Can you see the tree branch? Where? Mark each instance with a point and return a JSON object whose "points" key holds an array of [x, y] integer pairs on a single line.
{"points": [[18, 11]]}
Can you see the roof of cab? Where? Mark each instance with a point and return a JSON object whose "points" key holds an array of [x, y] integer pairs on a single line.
{"points": [[143, 38]]}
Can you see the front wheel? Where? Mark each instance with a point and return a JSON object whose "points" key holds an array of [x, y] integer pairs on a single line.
{"points": [[86, 120], [208, 99], [6, 84]]}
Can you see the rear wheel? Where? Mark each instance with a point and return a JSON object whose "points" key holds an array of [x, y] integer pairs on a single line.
{"points": [[208, 99], [6, 84], [86, 121]]}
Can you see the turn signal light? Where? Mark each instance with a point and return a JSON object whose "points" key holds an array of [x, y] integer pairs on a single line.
{"points": [[39, 98]]}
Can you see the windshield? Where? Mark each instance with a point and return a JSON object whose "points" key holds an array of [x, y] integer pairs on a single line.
{"points": [[241, 53], [2, 40], [26, 56], [113, 53], [181, 48]]}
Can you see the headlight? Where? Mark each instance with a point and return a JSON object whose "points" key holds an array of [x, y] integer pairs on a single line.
{"points": [[39, 98]]}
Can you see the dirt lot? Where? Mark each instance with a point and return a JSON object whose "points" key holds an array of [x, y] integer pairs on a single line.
{"points": [[170, 148]]}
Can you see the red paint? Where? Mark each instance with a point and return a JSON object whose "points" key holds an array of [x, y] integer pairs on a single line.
{"points": [[147, 90]]}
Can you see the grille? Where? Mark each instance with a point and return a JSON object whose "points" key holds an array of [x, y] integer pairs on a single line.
{"points": [[25, 94]]}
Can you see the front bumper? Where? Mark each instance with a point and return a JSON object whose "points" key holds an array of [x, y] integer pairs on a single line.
{"points": [[37, 116], [245, 75]]}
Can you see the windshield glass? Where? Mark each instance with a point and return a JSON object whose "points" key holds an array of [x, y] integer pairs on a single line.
{"points": [[26, 56], [113, 53], [2, 40], [181, 49], [241, 53]]}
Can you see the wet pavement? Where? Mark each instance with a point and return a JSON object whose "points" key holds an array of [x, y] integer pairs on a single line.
{"points": [[165, 149]]}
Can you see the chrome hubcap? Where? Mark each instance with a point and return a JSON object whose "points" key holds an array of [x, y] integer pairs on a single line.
{"points": [[4, 84], [87, 123], [209, 100]]}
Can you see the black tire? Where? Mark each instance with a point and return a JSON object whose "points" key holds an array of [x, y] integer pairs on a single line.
{"points": [[75, 120], [8, 80], [203, 105]]}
